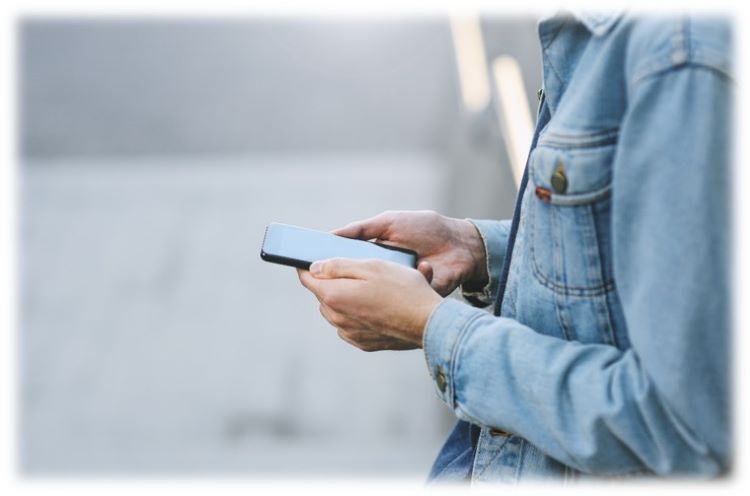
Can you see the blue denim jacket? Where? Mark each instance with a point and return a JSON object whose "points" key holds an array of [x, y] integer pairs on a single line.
{"points": [[607, 351]]}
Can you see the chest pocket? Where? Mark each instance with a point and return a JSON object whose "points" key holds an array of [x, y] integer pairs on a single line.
{"points": [[571, 181]]}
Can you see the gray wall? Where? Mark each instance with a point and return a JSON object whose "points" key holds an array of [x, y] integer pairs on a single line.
{"points": [[265, 85]]}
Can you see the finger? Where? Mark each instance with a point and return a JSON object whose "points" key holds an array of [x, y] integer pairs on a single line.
{"points": [[366, 340], [307, 279], [360, 339], [426, 269], [334, 318], [336, 293], [330, 290], [372, 228], [342, 268], [346, 337]]}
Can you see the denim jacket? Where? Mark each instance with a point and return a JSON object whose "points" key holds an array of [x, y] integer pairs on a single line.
{"points": [[607, 350]]}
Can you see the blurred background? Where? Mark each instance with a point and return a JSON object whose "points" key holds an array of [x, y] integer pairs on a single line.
{"points": [[152, 154]]}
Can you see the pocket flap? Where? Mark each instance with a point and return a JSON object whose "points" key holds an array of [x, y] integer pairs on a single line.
{"points": [[573, 170]]}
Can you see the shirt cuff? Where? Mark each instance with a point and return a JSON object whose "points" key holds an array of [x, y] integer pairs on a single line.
{"points": [[441, 341], [494, 235]]}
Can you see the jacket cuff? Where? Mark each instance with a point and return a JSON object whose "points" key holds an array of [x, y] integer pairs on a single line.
{"points": [[494, 235], [441, 341]]}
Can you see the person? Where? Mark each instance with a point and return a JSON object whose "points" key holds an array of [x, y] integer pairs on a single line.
{"points": [[606, 352]]}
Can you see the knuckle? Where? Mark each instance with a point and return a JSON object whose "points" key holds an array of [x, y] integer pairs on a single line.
{"points": [[389, 215], [332, 266]]}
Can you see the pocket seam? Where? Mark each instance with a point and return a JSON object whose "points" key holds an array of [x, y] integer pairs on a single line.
{"points": [[565, 141], [569, 290], [580, 199], [600, 289]]}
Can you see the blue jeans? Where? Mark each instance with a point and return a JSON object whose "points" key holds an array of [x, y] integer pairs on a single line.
{"points": [[456, 457]]}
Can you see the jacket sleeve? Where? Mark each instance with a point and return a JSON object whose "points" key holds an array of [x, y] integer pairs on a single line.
{"points": [[494, 235], [661, 405]]}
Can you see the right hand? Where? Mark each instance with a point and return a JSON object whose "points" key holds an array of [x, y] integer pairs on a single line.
{"points": [[451, 251]]}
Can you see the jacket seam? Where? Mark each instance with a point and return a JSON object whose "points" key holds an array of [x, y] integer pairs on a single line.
{"points": [[668, 68], [682, 53]]}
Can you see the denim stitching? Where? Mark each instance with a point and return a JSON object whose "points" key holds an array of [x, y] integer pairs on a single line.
{"points": [[452, 462], [521, 453], [561, 310], [611, 320], [581, 199], [573, 290], [601, 192], [594, 139], [590, 245], [497, 452], [486, 294], [664, 60], [604, 287], [547, 61], [558, 248], [602, 306], [455, 353]]}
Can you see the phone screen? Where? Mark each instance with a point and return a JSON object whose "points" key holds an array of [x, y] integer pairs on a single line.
{"points": [[299, 247]]}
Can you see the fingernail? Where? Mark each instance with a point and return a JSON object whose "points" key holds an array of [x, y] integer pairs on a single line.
{"points": [[316, 268]]}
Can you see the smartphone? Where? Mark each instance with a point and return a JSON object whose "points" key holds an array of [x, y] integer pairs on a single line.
{"points": [[299, 247]]}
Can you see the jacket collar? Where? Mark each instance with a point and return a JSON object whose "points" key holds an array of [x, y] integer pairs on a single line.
{"points": [[599, 23]]}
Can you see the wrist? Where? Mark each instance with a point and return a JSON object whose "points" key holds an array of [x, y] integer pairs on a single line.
{"points": [[475, 274], [425, 312]]}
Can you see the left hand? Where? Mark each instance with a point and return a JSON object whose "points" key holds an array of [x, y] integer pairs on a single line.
{"points": [[374, 304]]}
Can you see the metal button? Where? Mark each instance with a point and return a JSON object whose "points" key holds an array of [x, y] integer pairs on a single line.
{"points": [[499, 433], [559, 180], [441, 382]]}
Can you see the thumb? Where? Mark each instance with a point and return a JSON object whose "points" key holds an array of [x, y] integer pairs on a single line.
{"points": [[426, 269], [341, 268]]}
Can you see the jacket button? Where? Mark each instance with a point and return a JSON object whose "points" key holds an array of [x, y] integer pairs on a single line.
{"points": [[559, 180], [440, 378], [499, 433]]}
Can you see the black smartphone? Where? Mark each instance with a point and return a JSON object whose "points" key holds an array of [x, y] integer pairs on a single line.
{"points": [[299, 247]]}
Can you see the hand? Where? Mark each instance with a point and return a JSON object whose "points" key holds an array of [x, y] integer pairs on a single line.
{"points": [[451, 251], [374, 304]]}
